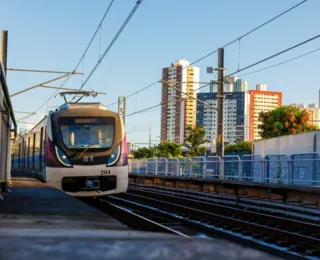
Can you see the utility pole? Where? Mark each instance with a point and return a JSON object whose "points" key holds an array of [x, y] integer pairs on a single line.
{"points": [[4, 50], [122, 109], [220, 99]]}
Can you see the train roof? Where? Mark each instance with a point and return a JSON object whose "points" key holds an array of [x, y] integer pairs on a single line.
{"points": [[88, 105]]}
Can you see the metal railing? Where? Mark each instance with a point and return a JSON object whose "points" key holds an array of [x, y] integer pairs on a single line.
{"points": [[299, 169]]}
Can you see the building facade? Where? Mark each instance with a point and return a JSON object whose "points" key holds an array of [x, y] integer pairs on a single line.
{"points": [[236, 116], [313, 110], [261, 100], [178, 110], [241, 85]]}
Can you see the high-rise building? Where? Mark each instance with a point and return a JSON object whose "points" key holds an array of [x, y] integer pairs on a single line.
{"points": [[241, 85], [236, 116], [301, 106], [232, 84], [261, 100], [261, 87], [314, 112], [178, 110]]}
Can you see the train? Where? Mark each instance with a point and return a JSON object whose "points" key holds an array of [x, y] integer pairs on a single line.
{"points": [[80, 148]]}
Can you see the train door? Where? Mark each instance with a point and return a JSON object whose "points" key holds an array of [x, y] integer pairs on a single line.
{"points": [[19, 157], [41, 151]]}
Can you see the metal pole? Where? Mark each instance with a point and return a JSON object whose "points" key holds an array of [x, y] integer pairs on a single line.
{"points": [[220, 98], [4, 49]]}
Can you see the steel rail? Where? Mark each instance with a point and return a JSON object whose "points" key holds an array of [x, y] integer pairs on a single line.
{"points": [[229, 216], [131, 218]]}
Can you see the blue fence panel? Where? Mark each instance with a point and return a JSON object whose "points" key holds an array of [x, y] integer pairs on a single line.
{"points": [[134, 166], [151, 166], [252, 168], [213, 164], [162, 166], [277, 169], [198, 166], [185, 164], [143, 166], [173, 166], [306, 169], [231, 167]]}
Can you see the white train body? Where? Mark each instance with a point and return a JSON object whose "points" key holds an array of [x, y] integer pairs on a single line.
{"points": [[80, 149]]}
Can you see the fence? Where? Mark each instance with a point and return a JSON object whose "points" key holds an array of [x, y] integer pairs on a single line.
{"points": [[299, 169]]}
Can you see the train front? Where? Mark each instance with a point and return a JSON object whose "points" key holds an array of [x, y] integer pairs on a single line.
{"points": [[86, 153]]}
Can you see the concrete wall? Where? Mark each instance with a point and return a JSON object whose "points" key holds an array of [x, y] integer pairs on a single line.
{"points": [[289, 144]]}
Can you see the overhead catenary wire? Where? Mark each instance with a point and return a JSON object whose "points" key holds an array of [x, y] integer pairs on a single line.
{"points": [[275, 55], [249, 66], [112, 42], [82, 57], [280, 63], [162, 103], [226, 45]]}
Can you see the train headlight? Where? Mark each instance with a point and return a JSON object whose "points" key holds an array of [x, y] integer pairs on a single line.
{"points": [[62, 157], [114, 156]]}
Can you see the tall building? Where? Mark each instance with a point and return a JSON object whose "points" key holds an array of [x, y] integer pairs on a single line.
{"points": [[261, 100], [261, 87], [232, 84], [314, 112], [236, 116], [241, 85], [178, 110], [301, 106]]}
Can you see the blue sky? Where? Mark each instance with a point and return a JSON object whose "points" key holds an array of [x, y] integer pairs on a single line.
{"points": [[54, 34]]}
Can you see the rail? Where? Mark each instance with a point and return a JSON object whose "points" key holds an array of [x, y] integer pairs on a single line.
{"points": [[299, 169]]}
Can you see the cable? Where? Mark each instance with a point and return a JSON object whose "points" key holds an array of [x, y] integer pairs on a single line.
{"points": [[254, 64], [269, 67], [112, 42], [161, 103], [275, 55], [226, 45], [80, 58], [274, 18]]}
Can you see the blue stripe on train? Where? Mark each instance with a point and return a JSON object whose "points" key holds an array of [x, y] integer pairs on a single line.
{"points": [[22, 164]]}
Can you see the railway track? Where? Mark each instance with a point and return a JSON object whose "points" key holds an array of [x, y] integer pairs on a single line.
{"points": [[285, 237], [136, 221], [297, 212]]}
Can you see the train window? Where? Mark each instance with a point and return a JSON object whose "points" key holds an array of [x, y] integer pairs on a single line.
{"points": [[20, 156], [28, 152], [83, 132], [37, 143]]}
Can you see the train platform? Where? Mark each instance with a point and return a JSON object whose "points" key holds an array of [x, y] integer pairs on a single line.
{"points": [[32, 204], [37, 221]]}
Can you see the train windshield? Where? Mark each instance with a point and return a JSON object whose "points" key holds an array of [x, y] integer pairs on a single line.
{"points": [[90, 132]]}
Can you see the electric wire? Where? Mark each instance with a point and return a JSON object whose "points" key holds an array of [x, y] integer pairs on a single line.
{"points": [[254, 64], [88, 46], [112, 42], [275, 55], [280, 63], [226, 45]]}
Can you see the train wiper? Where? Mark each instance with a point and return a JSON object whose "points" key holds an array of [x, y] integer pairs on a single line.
{"points": [[90, 146]]}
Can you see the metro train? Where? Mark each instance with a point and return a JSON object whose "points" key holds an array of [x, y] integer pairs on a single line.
{"points": [[80, 149]]}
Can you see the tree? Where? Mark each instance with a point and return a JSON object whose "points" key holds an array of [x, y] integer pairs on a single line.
{"points": [[195, 138], [239, 147], [169, 149], [284, 120], [143, 152]]}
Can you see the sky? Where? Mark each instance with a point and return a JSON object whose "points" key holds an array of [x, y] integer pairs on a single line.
{"points": [[52, 35]]}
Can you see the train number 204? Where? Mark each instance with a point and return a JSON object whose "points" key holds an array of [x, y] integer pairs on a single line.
{"points": [[105, 172]]}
